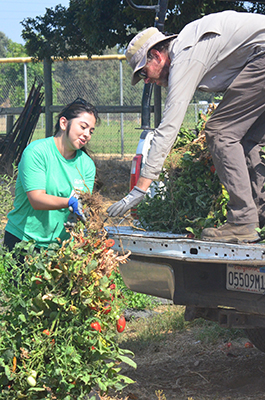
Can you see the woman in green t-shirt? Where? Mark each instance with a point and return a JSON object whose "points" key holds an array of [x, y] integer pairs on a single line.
{"points": [[49, 172]]}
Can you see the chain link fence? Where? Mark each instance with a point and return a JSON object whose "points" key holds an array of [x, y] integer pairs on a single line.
{"points": [[101, 82]]}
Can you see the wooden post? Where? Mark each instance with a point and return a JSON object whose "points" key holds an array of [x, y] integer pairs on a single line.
{"points": [[47, 64], [9, 123]]}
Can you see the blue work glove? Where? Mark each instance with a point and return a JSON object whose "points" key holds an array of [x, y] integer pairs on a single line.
{"points": [[76, 207], [135, 196]]}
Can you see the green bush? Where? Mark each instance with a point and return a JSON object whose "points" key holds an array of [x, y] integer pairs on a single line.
{"points": [[191, 197]]}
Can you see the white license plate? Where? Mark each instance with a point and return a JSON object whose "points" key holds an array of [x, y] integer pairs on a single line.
{"points": [[245, 279]]}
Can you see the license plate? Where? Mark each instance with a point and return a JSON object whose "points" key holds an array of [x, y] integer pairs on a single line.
{"points": [[245, 279]]}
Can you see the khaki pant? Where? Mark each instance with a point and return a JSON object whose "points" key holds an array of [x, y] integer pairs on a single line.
{"points": [[235, 135]]}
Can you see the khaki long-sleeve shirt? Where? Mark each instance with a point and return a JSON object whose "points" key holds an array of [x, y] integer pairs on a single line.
{"points": [[207, 55]]}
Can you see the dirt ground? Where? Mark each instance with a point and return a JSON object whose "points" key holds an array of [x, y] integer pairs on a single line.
{"points": [[112, 178], [181, 367]]}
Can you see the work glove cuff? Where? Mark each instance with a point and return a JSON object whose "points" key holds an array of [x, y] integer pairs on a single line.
{"points": [[141, 191]]}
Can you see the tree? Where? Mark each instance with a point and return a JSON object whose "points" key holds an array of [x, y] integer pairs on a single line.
{"points": [[13, 94], [3, 45], [45, 36], [119, 23], [94, 26], [90, 26]]}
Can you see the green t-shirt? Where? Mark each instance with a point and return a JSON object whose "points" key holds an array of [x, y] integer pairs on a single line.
{"points": [[42, 167]]}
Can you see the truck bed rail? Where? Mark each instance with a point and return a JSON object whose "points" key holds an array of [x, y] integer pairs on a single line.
{"points": [[174, 246]]}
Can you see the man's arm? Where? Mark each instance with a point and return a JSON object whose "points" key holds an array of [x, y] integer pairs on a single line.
{"points": [[184, 78], [143, 183]]}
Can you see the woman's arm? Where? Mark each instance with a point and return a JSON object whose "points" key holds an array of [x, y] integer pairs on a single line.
{"points": [[40, 200]]}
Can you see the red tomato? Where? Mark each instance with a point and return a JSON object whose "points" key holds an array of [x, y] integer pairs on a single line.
{"points": [[46, 332], [107, 308], [109, 242], [249, 345], [37, 281], [96, 326], [212, 169], [93, 307], [121, 324], [112, 286]]}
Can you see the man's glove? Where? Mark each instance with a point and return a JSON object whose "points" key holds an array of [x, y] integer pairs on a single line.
{"points": [[76, 207], [135, 196]]}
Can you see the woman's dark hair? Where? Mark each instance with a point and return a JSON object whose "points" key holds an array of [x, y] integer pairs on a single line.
{"points": [[73, 110]]}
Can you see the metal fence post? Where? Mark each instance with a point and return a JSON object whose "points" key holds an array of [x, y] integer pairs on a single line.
{"points": [[25, 82], [121, 104], [47, 65], [196, 113]]}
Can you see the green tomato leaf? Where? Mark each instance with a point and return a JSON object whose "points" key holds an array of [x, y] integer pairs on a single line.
{"points": [[7, 372], [22, 317], [127, 360], [59, 300], [85, 378], [92, 265]]}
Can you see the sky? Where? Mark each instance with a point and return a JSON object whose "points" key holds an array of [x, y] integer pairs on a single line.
{"points": [[12, 12]]}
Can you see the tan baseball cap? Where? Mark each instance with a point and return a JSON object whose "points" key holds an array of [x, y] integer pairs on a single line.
{"points": [[138, 47]]}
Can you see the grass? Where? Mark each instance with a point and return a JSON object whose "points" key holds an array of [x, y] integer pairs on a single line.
{"points": [[107, 136], [211, 333], [143, 332]]}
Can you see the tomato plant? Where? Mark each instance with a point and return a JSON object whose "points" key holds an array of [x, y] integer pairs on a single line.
{"points": [[59, 338]]}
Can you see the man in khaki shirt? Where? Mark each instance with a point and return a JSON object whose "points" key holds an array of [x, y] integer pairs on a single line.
{"points": [[220, 52]]}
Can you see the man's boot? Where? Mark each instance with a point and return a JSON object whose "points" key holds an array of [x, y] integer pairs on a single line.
{"points": [[232, 233]]}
